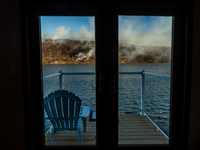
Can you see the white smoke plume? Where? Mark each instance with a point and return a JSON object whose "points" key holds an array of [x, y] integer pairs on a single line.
{"points": [[87, 55], [60, 32], [44, 36], [83, 34], [91, 22]]}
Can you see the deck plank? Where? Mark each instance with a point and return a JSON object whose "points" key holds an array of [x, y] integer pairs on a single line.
{"points": [[133, 129]]}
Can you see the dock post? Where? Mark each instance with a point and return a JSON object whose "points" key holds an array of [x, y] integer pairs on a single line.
{"points": [[142, 93], [60, 80]]}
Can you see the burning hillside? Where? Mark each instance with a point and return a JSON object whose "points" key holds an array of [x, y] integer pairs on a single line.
{"points": [[144, 54], [76, 52], [67, 52]]}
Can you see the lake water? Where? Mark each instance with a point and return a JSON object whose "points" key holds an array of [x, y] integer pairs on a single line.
{"points": [[157, 91]]}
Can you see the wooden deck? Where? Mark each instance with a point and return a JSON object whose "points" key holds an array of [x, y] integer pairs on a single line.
{"points": [[136, 129], [133, 129]]}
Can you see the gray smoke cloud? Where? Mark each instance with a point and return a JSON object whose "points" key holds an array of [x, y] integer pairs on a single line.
{"points": [[142, 39], [149, 54], [157, 32]]}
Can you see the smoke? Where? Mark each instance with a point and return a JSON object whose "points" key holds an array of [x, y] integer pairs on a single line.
{"points": [[60, 32], [145, 39], [86, 55], [44, 36], [149, 31], [141, 39], [83, 33], [140, 54], [91, 22]]}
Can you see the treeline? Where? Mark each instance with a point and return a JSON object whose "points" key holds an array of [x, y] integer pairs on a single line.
{"points": [[64, 52], [76, 52]]}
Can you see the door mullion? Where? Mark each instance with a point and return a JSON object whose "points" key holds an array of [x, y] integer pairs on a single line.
{"points": [[106, 64]]}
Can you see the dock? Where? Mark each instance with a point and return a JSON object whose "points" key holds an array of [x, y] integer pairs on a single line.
{"points": [[133, 129]]}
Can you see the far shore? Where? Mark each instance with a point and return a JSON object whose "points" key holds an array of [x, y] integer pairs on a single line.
{"points": [[94, 63]]}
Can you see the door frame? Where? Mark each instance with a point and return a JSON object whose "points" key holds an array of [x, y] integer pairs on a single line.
{"points": [[179, 83]]}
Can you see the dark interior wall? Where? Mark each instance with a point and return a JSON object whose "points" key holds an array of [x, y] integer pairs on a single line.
{"points": [[194, 124], [12, 118], [12, 128]]}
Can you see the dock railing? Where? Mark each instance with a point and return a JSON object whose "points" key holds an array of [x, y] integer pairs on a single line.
{"points": [[143, 74]]}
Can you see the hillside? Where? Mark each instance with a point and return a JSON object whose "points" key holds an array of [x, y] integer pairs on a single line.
{"points": [[66, 51]]}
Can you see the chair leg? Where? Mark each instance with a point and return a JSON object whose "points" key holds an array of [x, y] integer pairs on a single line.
{"points": [[79, 132], [52, 132]]}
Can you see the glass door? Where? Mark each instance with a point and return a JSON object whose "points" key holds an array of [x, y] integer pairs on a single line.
{"points": [[144, 50], [68, 66], [128, 78]]}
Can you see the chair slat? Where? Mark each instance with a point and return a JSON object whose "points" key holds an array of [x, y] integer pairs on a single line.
{"points": [[58, 96], [51, 115], [53, 108], [78, 105], [48, 111], [59, 109], [77, 109], [71, 110], [65, 109]]}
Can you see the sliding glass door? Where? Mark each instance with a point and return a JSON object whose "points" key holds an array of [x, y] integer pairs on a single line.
{"points": [[144, 51], [124, 63], [68, 63]]}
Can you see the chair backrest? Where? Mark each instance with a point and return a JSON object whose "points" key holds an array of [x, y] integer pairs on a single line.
{"points": [[63, 108]]}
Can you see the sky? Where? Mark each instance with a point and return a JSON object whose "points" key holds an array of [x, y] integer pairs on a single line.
{"points": [[59, 27], [137, 30], [145, 30]]}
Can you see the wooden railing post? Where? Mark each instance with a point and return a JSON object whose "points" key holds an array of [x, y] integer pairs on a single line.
{"points": [[60, 80], [142, 93]]}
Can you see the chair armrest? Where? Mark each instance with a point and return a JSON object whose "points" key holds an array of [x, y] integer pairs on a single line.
{"points": [[86, 111]]}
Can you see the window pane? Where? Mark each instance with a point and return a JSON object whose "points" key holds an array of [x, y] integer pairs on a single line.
{"points": [[68, 50], [144, 79]]}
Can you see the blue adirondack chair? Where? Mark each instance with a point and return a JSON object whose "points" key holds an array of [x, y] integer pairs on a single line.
{"points": [[63, 110]]}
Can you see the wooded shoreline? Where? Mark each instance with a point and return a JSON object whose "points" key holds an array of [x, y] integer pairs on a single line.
{"points": [[77, 52]]}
